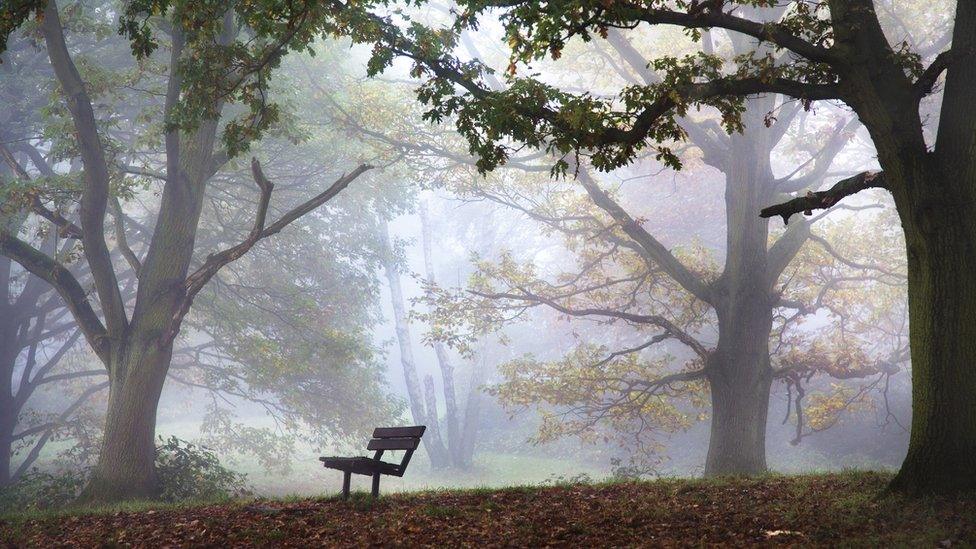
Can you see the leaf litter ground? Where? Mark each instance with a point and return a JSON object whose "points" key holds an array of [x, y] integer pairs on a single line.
{"points": [[847, 509]]}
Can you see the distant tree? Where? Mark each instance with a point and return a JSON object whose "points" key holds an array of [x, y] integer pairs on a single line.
{"points": [[635, 323], [455, 445], [823, 51], [739, 361]]}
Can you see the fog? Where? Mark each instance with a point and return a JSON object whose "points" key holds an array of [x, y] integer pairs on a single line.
{"points": [[583, 321]]}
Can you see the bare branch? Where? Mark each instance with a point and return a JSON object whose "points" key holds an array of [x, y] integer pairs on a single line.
{"points": [[650, 248], [122, 241], [655, 320], [853, 264], [199, 278], [55, 274], [785, 249], [821, 161]]}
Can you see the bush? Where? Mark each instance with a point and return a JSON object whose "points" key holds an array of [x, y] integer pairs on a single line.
{"points": [[186, 472], [190, 472], [37, 491]]}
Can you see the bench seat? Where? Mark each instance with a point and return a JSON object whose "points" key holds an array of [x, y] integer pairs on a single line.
{"points": [[384, 439], [359, 465]]}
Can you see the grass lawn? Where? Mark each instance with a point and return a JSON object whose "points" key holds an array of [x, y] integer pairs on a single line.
{"points": [[847, 509]]}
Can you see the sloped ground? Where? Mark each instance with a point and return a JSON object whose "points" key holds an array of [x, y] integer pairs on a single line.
{"points": [[829, 510]]}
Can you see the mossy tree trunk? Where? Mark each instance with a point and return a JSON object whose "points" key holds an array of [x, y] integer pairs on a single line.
{"points": [[942, 303], [935, 193]]}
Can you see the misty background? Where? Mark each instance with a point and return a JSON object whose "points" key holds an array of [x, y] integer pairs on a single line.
{"points": [[298, 350]]}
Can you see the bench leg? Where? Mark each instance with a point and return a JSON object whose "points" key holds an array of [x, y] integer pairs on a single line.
{"points": [[376, 485], [345, 484]]}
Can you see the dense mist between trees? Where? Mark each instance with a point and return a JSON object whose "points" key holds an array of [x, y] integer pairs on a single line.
{"points": [[315, 253]]}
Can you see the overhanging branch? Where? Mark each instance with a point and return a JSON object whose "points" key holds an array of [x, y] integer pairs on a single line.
{"points": [[653, 320], [821, 200], [926, 82]]}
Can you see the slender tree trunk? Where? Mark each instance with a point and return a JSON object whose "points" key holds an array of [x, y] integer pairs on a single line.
{"points": [[942, 303], [472, 412], [452, 418], [436, 452], [126, 464], [433, 432]]}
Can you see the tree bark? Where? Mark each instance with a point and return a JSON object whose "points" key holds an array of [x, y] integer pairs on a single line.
{"points": [[740, 401], [126, 464], [6, 449], [942, 306], [740, 377], [936, 202]]}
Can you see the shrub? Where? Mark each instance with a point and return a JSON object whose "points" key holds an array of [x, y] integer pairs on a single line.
{"points": [[186, 472], [40, 490], [190, 472]]}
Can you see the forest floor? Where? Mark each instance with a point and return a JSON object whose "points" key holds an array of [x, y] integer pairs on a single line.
{"points": [[848, 509]]}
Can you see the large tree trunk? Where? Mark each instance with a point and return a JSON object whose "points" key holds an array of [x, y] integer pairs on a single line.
{"points": [[740, 377], [740, 401], [126, 464], [941, 247], [936, 198], [739, 372]]}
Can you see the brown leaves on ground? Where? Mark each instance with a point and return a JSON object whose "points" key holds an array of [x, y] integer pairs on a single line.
{"points": [[845, 509]]}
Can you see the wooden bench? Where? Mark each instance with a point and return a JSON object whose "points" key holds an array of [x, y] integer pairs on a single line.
{"points": [[384, 438]]}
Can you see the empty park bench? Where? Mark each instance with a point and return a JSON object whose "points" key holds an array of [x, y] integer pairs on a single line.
{"points": [[384, 438]]}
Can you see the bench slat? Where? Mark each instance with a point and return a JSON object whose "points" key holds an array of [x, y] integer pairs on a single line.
{"points": [[393, 444], [399, 432], [360, 465]]}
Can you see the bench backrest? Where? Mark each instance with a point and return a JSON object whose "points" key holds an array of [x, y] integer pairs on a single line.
{"points": [[397, 438]]}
